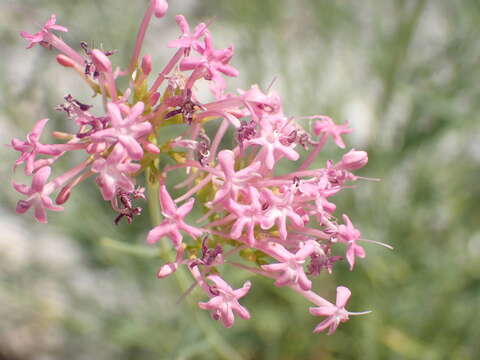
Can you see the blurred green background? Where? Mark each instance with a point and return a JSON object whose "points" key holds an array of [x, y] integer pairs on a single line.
{"points": [[404, 74]]}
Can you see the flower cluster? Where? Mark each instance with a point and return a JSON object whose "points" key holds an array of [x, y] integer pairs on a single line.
{"points": [[253, 216]]}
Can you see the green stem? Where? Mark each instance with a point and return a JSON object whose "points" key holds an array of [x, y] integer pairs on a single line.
{"points": [[223, 349]]}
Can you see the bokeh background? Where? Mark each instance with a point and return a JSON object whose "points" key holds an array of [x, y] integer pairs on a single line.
{"points": [[404, 73]]}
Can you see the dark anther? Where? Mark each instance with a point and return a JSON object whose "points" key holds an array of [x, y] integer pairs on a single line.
{"points": [[188, 108], [127, 209]]}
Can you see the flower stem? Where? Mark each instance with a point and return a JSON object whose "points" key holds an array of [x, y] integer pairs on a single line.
{"points": [[223, 349]]}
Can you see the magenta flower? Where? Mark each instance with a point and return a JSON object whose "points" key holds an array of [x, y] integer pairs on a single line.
{"points": [[326, 126], [114, 173], [348, 234], [174, 220], [224, 301], [125, 130], [32, 147], [289, 271], [42, 35], [38, 195]]}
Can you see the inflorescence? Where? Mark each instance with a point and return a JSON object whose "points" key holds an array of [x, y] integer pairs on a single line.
{"points": [[275, 223]]}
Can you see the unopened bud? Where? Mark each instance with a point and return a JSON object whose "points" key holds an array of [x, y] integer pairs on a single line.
{"points": [[354, 160], [63, 195], [101, 61], [147, 65], [166, 270], [65, 61], [151, 148], [160, 7]]}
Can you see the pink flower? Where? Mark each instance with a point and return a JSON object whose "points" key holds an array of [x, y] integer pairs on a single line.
{"points": [[272, 147], [38, 195], [247, 216], [279, 209], [42, 35], [347, 233], [114, 173], [125, 130], [215, 62], [290, 268], [188, 39], [326, 126], [224, 301], [233, 180], [260, 104], [335, 313], [174, 220], [32, 147]]}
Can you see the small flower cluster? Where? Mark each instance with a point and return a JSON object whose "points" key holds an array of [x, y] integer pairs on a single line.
{"points": [[279, 225]]}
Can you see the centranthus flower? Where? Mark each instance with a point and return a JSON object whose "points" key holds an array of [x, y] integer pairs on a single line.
{"points": [[335, 313], [38, 195], [174, 220], [43, 34], [224, 301], [32, 147], [277, 223]]}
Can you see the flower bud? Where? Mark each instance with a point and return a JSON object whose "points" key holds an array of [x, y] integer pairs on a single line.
{"points": [[167, 270], [101, 61], [65, 61], [160, 7], [147, 65], [63, 195], [354, 160]]}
